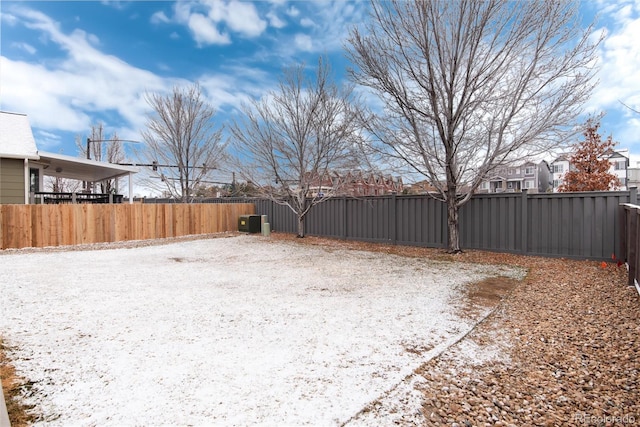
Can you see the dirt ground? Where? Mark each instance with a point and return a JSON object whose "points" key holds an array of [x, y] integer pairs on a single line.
{"points": [[568, 337]]}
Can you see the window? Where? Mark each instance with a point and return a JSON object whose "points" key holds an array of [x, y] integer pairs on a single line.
{"points": [[622, 182], [517, 171], [528, 184], [510, 171], [529, 170], [484, 185], [620, 165], [557, 183], [558, 168]]}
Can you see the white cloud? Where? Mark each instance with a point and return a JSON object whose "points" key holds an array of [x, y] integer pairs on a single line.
{"points": [[306, 22], [47, 141], [205, 31], [207, 19], [68, 94], [8, 18], [159, 17], [303, 42], [243, 18], [619, 79], [275, 21], [85, 81], [25, 46], [293, 11]]}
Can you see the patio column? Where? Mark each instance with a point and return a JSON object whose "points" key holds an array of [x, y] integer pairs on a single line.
{"points": [[130, 188], [27, 182]]}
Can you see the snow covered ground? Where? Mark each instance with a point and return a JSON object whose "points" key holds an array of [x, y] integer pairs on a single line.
{"points": [[228, 331]]}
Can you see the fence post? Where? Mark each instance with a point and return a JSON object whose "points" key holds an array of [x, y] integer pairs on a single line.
{"points": [[633, 195], [633, 243], [622, 221], [524, 229]]}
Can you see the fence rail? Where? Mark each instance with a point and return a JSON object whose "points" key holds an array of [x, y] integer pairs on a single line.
{"points": [[55, 225]]}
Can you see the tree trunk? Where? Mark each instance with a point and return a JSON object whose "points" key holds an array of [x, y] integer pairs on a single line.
{"points": [[300, 226], [453, 244]]}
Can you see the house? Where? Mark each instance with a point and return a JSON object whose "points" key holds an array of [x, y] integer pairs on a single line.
{"points": [[23, 167], [356, 183], [421, 187], [619, 165], [559, 167], [534, 177]]}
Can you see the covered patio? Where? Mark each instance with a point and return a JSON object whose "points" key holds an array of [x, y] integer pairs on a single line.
{"points": [[89, 171]]}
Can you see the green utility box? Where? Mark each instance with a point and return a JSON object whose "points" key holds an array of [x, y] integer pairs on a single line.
{"points": [[249, 224]]}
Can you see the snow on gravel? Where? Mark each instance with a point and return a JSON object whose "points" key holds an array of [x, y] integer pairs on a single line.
{"points": [[228, 331]]}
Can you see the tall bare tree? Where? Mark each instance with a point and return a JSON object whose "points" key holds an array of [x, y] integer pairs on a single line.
{"points": [[470, 85], [182, 141], [296, 137], [102, 148]]}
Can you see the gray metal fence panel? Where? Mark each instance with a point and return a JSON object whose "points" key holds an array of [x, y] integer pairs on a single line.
{"points": [[573, 225], [368, 219], [492, 221], [420, 221]]}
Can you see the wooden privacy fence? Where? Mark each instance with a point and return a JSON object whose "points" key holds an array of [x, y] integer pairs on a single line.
{"points": [[55, 225]]}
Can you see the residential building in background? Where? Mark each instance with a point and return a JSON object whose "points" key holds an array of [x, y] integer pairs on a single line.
{"points": [[559, 167], [534, 177], [356, 183], [619, 165]]}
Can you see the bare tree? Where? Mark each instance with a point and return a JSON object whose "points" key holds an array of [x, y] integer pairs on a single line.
{"points": [[630, 108], [57, 184], [470, 85], [105, 149], [181, 141], [296, 137]]}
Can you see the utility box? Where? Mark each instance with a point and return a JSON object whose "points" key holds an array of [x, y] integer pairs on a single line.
{"points": [[249, 223]]}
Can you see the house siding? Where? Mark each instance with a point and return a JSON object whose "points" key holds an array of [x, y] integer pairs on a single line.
{"points": [[12, 181]]}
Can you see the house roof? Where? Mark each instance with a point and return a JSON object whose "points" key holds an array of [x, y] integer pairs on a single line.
{"points": [[82, 169], [16, 138], [17, 142]]}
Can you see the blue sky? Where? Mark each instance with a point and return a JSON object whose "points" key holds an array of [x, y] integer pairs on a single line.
{"points": [[69, 64]]}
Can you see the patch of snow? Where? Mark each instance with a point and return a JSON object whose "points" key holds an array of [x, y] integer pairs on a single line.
{"points": [[234, 331]]}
